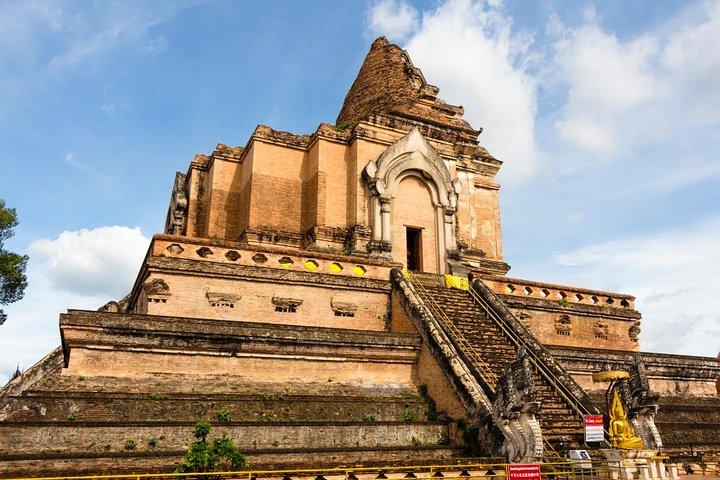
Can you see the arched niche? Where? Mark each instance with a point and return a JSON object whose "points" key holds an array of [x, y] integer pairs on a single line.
{"points": [[412, 155]]}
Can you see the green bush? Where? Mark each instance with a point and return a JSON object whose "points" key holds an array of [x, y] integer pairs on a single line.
{"points": [[344, 126], [153, 442], [71, 417], [431, 413], [470, 432], [368, 417], [408, 416], [130, 444], [220, 455], [202, 430], [223, 416]]}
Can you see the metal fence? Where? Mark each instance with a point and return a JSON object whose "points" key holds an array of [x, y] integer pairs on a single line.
{"points": [[549, 471]]}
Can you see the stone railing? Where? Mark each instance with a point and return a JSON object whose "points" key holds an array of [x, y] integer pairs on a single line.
{"points": [[562, 294], [286, 259]]}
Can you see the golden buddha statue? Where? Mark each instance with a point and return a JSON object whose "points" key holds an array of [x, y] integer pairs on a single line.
{"points": [[622, 434]]}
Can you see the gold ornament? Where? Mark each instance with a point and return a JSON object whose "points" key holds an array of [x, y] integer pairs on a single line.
{"points": [[622, 434], [609, 375]]}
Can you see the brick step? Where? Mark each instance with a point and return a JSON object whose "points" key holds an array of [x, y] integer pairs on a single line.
{"points": [[554, 405], [567, 435], [170, 407], [561, 424], [559, 432], [203, 384], [556, 415], [99, 437], [84, 463]]}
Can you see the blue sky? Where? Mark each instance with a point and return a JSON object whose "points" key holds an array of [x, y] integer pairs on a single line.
{"points": [[606, 115]]}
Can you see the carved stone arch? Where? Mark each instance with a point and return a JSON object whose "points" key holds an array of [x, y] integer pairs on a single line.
{"points": [[412, 155], [435, 195]]}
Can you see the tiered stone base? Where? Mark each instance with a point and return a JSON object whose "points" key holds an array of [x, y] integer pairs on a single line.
{"points": [[342, 409]]}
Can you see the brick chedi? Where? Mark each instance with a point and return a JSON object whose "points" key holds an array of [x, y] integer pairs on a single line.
{"points": [[277, 294]]}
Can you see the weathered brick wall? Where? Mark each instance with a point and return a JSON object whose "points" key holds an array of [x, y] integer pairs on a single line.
{"points": [[113, 463], [270, 403], [333, 191], [585, 330], [195, 221], [145, 345], [58, 438], [253, 301], [276, 203], [245, 199], [429, 372], [479, 214], [309, 198], [278, 177], [671, 375], [569, 316], [363, 150], [223, 220]]}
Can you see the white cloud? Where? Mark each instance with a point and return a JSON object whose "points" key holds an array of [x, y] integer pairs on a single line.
{"points": [[395, 19], [156, 45], [102, 261], [16, 16], [607, 78], [623, 94], [72, 160], [44, 41], [108, 108], [685, 176], [468, 48], [82, 269], [675, 276]]}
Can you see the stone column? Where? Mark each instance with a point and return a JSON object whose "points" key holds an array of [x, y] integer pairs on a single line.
{"points": [[652, 465], [449, 227], [385, 216], [645, 472], [626, 471], [440, 239], [377, 221]]}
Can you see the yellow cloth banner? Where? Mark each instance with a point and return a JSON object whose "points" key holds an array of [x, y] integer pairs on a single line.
{"points": [[451, 281]]}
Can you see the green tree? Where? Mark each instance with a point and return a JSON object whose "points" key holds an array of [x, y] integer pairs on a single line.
{"points": [[220, 455], [12, 266]]}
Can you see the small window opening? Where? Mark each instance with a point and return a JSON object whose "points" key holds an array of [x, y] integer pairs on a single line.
{"points": [[344, 314], [413, 238], [291, 308]]}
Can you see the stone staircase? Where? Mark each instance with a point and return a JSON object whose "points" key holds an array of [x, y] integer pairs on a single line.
{"points": [[492, 349]]}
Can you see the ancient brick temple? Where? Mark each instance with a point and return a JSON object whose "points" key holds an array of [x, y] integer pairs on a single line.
{"points": [[277, 293]]}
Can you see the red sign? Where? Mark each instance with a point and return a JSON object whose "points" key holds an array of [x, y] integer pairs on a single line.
{"points": [[594, 428], [523, 471]]}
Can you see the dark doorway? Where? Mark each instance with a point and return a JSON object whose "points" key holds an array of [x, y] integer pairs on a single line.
{"points": [[414, 248]]}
